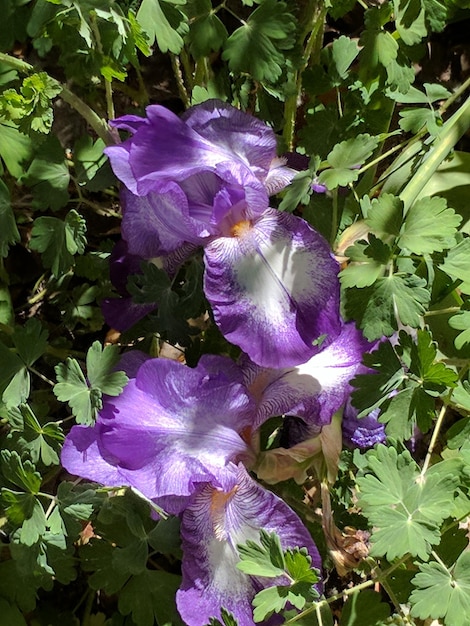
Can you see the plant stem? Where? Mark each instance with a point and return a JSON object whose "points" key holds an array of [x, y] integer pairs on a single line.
{"points": [[98, 124], [450, 133], [176, 65], [312, 50], [434, 437], [107, 84]]}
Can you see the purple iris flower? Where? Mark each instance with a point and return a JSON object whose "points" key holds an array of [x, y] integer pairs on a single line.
{"points": [[362, 432], [314, 390], [122, 313], [220, 517], [180, 436], [205, 179]]}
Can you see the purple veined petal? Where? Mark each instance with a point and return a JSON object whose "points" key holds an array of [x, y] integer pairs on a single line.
{"points": [[362, 432], [236, 132], [171, 428], [279, 176], [158, 223], [314, 390], [220, 517], [273, 288], [164, 149]]}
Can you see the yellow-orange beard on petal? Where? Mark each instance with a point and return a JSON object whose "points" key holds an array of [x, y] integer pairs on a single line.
{"points": [[240, 228], [218, 501]]}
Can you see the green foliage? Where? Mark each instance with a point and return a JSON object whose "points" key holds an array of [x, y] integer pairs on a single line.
{"points": [[164, 22], [8, 229], [84, 396], [30, 108], [344, 160], [441, 592], [259, 46], [59, 241], [405, 508], [269, 560], [348, 104]]}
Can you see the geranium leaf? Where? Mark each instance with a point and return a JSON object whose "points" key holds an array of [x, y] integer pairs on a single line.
{"points": [[8, 229], [258, 47], [405, 508], [164, 23], [59, 241], [429, 226], [344, 160], [443, 593]]}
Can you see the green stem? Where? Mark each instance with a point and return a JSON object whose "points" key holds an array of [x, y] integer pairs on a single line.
{"points": [[98, 124], [107, 84], [176, 65], [312, 50], [435, 435], [451, 132]]}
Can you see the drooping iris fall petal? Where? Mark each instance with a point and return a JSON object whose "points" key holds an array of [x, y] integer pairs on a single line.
{"points": [[273, 288], [220, 517]]}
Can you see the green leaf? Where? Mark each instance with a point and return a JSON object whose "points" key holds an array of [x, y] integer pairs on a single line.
{"points": [[100, 363], [59, 241], [85, 399], [164, 23], [384, 215], [48, 176], [344, 160], [443, 593], [343, 51], [391, 299], [15, 148], [405, 508], [207, 33], [461, 321], [11, 614], [91, 164], [429, 227], [298, 192], [364, 608], [274, 599], [30, 341], [457, 264], [143, 595], [262, 559], [259, 46], [41, 442], [410, 20], [72, 388], [20, 473], [8, 230], [367, 263], [374, 388]]}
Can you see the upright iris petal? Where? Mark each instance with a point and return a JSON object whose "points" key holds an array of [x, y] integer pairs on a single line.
{"points": [[221, 516], [172, 428]]}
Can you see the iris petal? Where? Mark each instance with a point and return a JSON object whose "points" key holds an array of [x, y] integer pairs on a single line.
{"points": [[219, 518], [273, 288], [172, 428], [314, 390]]}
